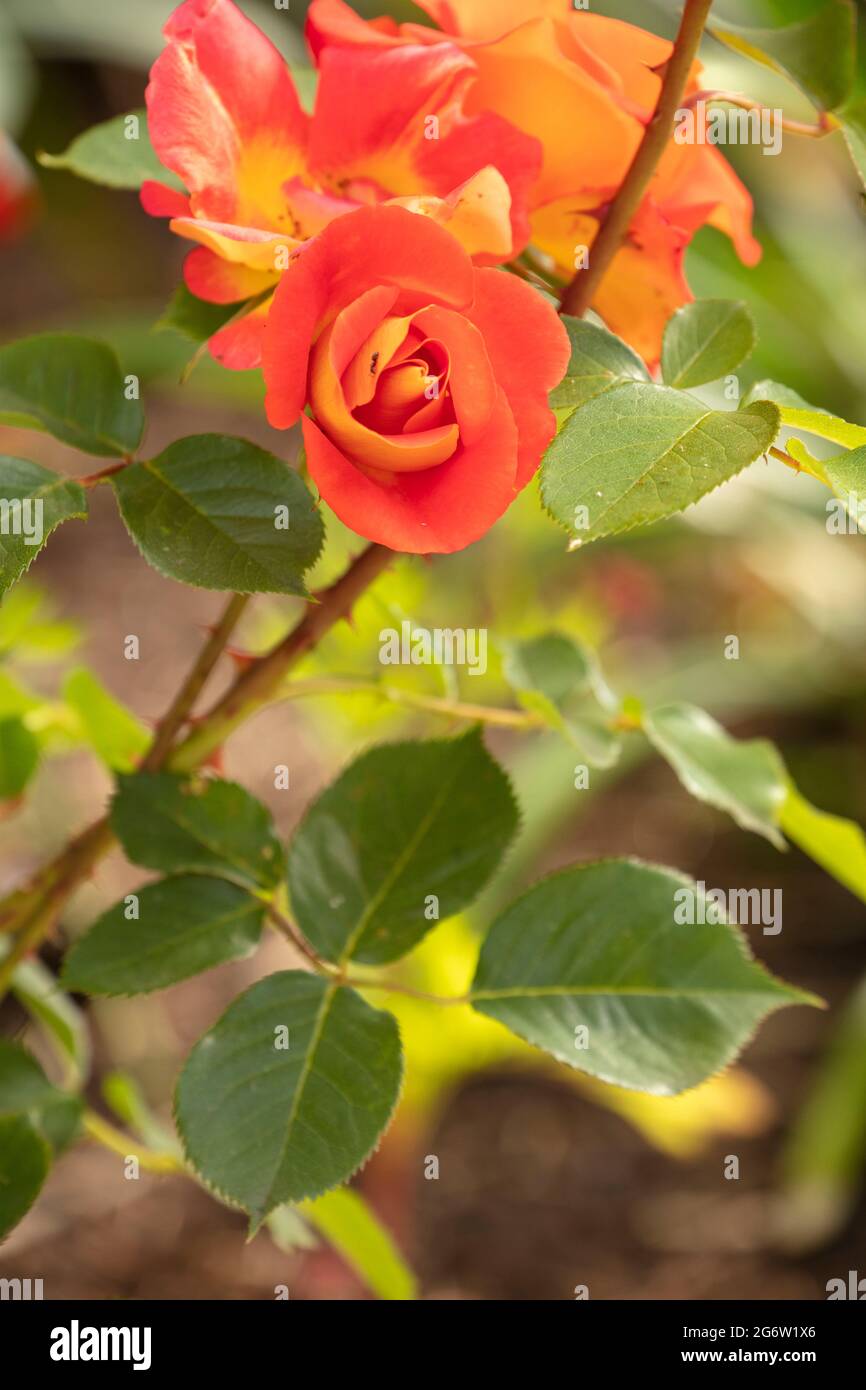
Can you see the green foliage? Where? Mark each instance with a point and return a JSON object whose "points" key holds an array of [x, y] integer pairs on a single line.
{"points": [[117, 153], [706, 340], [116, 736], [269, 1116], [19, 757], [556, 679], [599, 361], [209, 511], [25, 1092], [46, 499], [813, 43], [666, 1004], [837, 844], [25, 1159], [194, 318], [795, 413], [350, 1227], [747, 780], [640, 453], [196, 825], [405, 825], [184, 925], [74, 389]]}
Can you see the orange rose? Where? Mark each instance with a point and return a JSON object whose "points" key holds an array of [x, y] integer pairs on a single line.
{"points": [[426, 379], [585, 87]]}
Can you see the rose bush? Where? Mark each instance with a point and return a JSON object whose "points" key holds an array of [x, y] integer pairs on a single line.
{"points": [[426, 379]]}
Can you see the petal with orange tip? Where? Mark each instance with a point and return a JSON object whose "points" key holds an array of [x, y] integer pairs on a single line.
{"points": [[478, 214], [238, 345], [223, 113], [222, 282], [248, 246]]}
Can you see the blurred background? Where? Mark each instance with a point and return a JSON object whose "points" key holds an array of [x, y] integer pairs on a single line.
{"points": [[546, 1181]]}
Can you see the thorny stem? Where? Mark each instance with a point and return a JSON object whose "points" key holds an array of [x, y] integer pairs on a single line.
{"points": [[32, 911], [578, 295], [180, 708]]}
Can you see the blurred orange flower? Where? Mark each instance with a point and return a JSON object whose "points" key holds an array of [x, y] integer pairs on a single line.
{"points": [[262, 176], [585, 87]]}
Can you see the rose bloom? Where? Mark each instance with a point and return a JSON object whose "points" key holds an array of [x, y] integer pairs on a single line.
{"points": [[425, 378], [262, 176], [585, 86]]}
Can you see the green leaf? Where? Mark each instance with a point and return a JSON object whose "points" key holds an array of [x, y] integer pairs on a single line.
{"points": [[406, 825], [641, 452], [116, 153], [25, 1159], [74, 389], [115, 734], [706, 340], [19, 758], [556, 678], [196, 825], [598, 947], [824, 1154], [552, 663], [811, 41], [38, 992], [25, 1092], [745, 779], [846, 474], [838, 845], [34, 502], [184, 925], [264, 1122], [795, 413], [195, 318], [355, 1232], [208, 512], [599, 361]]}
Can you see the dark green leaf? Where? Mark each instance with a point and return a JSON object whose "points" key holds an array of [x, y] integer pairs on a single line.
{"points": [[33, 503], [666, 1003], [185, 925], [810, 40], [196, 825], [25, 1092], [209, 512], [747, 780], [289, 1093], [19, 757], [641, 452], [74, 389], [599, 361], [195, 318], [117, 153], [25, 1159], [408, 835], [706, 340]]}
